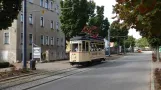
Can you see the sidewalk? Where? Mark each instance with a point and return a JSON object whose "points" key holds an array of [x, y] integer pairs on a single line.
{"points": [[49, 66], [154, 65]]}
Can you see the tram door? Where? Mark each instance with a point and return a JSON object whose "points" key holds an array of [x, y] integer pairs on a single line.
{"points": [[75, 49]]}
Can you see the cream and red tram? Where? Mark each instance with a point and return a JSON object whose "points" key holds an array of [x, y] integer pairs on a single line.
{"points": [[85, 50]]}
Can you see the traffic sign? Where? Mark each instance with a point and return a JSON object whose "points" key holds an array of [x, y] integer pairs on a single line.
{"points": [[160, 49], [37, 52]]}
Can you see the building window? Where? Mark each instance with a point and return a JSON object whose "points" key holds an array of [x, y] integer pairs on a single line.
{"points": [[47, 40], [21, 17], [62, 42], [30, 39], [51, 5], [46, 3], [57, 9], [30, 19], [31, 1], [52, 24], [42, 21], [6, 38], [41, 3], [52, 41], [42, 40], [21, 38], [57, 26]]}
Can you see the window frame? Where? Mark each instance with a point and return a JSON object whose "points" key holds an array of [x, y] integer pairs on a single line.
{"points": [[31, 19], [46, 4], [4, 40], [42, 39], [42, 3], [42, 21]]}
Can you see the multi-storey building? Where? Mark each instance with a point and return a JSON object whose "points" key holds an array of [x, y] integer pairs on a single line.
{"points": [[43, 29]]}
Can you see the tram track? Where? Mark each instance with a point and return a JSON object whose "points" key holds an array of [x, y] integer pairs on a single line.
{"points": [[29, 78], [37, 81]]}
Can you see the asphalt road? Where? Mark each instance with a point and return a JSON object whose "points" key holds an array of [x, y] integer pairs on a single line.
{"points": [[131, 72]]}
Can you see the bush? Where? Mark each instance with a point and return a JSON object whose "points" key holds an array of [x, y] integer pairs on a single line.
{"points": [[4, 64]]}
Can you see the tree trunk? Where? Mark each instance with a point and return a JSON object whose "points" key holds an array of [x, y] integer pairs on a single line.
{"points": [[157, 52]]}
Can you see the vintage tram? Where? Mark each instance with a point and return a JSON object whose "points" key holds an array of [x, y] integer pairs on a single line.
{"points": [[84, 50]]}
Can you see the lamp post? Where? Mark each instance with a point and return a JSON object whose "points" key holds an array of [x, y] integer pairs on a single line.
{"points": [[24, 47], [109, 42]]}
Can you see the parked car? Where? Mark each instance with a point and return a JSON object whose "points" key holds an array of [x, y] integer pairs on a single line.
{"points": [[139, 50]]}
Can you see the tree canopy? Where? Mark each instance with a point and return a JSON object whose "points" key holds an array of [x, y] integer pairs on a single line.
{"points": [[142, 42], [83, 14], [130, 41], [118, 32], [9, 9], [143, 15]]}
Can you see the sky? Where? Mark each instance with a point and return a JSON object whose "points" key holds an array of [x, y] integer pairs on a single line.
{"points": [[108, 13]]}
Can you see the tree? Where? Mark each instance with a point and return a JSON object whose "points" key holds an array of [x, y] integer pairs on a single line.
{"points": [[143, 15], [9, 9], [130, 41], [143, 42], [99, 21], [73, 20], [117, 31]]}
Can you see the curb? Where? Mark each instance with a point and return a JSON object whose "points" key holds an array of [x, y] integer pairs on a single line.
{"points": [[152, 77]]}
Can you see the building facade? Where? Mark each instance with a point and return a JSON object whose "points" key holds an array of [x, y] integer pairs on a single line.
{"points": [[43, 29]]}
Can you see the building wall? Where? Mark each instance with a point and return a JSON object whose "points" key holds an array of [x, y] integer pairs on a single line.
{"points": [[55, 51], [8, 51]]}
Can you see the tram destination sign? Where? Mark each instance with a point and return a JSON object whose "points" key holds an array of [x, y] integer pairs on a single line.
{"points": [[37, 52]]}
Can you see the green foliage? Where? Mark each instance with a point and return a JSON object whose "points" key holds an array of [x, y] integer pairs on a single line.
{"points": [[143, 42], [141, 15], [4, 64], [74, 20], [9, 10], [130, 41], [99, 21], [154, 41], [117, 32], [83, 13]]}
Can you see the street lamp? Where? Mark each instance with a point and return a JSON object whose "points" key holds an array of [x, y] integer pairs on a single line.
{"points": [[109, 42], [24, 47]]}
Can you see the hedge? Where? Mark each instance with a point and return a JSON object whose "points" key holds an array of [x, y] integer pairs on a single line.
{"points": [[4, 64]]}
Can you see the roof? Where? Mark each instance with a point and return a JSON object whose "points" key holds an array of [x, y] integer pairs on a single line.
{"points": [[86, 38]]}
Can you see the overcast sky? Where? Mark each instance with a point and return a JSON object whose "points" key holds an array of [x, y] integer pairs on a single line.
{"points": [[108, 13]]}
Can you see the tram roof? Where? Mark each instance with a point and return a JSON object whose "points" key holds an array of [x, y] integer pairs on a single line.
{"points": [[86, 38]]}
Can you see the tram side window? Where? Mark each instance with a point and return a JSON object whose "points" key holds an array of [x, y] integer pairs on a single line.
{"points": [[87, 46], [80, 47], [83, 46], [93, 47], [100, 47]]}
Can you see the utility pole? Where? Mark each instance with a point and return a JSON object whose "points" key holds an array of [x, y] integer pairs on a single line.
{"points": [[124, 46], [109, 42], [24, 46]]}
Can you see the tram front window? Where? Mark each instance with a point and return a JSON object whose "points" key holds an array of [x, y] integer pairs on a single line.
{"points": [[76, 47]]}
